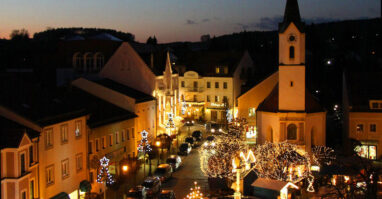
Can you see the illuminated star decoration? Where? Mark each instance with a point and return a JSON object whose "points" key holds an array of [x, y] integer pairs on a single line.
{"points": [[104, 174], [144, 146]]}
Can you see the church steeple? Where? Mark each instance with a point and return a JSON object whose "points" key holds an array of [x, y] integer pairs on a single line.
{"points": [[291, 14], [167, 74]]}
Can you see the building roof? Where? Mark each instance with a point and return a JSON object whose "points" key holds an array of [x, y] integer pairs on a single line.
{"points": [[105, 36], [205, 62], [292, 14], [271, 103], [12, 133], [270, 184], [100, 111], [157, 61], [41, 106], [362, 87], [137, 95]]}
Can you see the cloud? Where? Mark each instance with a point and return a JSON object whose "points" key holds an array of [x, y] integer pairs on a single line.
{"points": [[271, 23], [205, 20], [190, 22]]}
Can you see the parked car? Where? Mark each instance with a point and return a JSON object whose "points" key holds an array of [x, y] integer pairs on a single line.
{"points": [[151, 186], [210, 138], [197, 135], [163, 172], [136, 192], [190, 140], [174, 161], [166, 194], [185, 148]]}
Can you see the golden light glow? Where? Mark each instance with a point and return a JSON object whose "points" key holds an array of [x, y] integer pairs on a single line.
{"points": [[157, 143], [125, 168]]}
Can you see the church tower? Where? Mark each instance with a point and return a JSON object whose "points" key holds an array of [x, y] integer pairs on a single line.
{"points": [[291, 60]]}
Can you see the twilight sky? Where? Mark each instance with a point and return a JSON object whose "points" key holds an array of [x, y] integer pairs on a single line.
{"points": [[172, 20]]}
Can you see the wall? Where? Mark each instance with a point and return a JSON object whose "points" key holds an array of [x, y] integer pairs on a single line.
{"points": [[59, 152], [253, 97], [127, 67]]}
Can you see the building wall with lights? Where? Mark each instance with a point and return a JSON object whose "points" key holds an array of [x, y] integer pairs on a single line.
{"points": [[63, 149], [116, 141]]}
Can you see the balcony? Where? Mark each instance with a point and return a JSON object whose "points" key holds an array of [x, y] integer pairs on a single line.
{"points": [[195, 89]]}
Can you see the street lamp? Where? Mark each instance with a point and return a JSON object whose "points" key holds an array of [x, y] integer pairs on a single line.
{"points": [[158, 144]]}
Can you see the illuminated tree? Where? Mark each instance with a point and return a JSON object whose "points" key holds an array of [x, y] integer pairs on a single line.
{"points": [[216, 156], [195, 192]]}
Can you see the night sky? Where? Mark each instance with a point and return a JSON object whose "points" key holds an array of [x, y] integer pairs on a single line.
{"points": [[172, 20]]}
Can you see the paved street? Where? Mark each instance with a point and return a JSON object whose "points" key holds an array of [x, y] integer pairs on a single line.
{"points": [[183, 179]]}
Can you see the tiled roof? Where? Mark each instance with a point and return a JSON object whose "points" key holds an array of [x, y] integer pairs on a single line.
{"points": [[12, 133], [137, 95], [362, 87]]}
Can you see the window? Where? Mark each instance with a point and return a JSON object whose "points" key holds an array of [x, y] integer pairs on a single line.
{"points": [[103, 142], [78, 61], [195, 98], [375, 105], [195, 84], [78, 128], [208, 84], [128, 134], [208, 98], [64, 133], [31, 192], [225, 85], [367, 151], [90, 147], [89, 59], [291, 52], [111, 140], [116, 137], [65, 168], [79, 161], [182, 84], [226, 70], [23, 195], [217, 70], [132, 133], [291, 83], [216, 98], [23, 166], [99, 61], [292, 132], [373, 128], [49, 138], [97, 145], [31, 155], [216, 84], [252, 112], [123, 135], [359, 128], [225, 99], [49, 173], [91, 178]]}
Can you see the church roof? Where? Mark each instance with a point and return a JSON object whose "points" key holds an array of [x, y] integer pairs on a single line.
{"points": [[292, 14], [271, 103]]}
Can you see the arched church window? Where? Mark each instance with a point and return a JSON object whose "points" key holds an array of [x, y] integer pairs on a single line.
{"points": [[99, 58], [89, 62], [78, 61], [291, 52], [292, 132]]}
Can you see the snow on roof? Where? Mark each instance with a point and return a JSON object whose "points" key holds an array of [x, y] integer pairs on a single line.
{"points": [[105, 36], [267, 183]]}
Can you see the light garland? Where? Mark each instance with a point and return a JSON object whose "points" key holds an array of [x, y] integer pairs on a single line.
{"points": [[310, 181], [216, 157], [323, 155], [195, 192], [144, 146], [104, 174]]}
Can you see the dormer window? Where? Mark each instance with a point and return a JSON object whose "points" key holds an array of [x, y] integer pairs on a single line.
{"points": [[217, 69], [375, 104]]}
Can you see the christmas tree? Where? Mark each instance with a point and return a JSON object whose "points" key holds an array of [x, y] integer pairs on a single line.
{"points": [[144, 146]]}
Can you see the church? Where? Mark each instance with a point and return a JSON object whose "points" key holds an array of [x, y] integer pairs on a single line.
{"points": [[281, 107]]}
